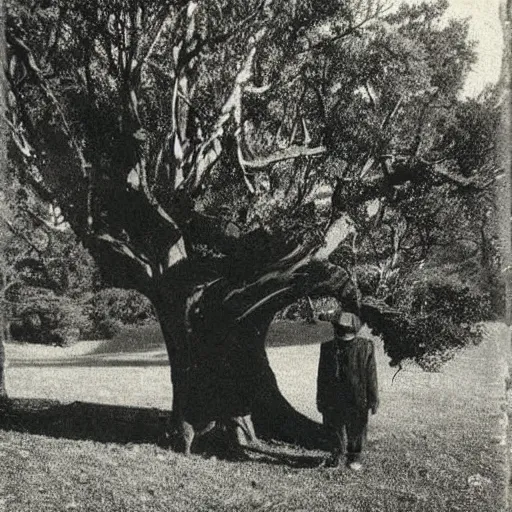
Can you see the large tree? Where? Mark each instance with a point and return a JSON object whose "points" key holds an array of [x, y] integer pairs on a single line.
{"points": [[189, 144]]}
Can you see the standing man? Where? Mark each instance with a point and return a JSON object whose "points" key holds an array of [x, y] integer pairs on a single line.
{"points": [[347, 388]]}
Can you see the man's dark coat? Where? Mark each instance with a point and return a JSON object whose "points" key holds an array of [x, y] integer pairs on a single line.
{"points": [[347, 376]]}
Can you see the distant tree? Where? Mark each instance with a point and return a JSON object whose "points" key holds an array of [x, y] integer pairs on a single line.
{"points": [[218, 157], [47, 276]]}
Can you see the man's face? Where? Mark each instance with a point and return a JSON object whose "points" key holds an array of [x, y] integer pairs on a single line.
{"points": [[342, 330]]}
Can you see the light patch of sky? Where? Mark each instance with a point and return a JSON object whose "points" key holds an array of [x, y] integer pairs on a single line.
{"points": [[485, 30]]}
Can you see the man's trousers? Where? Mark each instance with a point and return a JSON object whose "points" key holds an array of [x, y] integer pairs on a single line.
{"points": [[347, 433]]}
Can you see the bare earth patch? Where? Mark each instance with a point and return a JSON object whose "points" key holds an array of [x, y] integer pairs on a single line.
{"points": [[436, 445]]}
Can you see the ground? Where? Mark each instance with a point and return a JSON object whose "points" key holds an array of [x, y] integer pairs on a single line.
{"points": [[436, 444]]}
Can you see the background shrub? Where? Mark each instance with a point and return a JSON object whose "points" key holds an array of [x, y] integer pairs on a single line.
{"points": [[108, 328], [111, 309], [42, 316]]}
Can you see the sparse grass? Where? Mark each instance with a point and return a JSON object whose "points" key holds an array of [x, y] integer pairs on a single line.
{"points": [[434, 446]]}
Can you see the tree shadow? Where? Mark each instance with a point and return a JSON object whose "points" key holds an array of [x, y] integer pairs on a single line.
{"points": [[104, 423], [270, 455], [86, 421]]}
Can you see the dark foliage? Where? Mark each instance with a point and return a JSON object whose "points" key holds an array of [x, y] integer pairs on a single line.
{"points": [[433, 318], [113, 308], [41, 316]]}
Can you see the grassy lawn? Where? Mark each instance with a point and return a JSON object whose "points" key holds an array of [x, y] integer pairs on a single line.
{"points": [[436, 444]]}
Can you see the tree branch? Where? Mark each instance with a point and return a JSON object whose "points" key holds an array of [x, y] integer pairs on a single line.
{"points": [[27, 57], [210, 150], [456, 179], [21, 235], [125, 250], [288, 154], [56, 33], [292, 269], [28, 155], [392, 113], [352, 28]]}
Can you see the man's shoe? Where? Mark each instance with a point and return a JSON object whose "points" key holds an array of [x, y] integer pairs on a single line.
{"points": [[355, 466]]}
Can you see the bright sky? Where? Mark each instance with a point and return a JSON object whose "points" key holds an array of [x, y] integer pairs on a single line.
{"points": [[485, 29]]}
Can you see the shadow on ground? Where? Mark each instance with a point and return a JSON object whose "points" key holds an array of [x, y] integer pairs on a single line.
{"points": [[123, 425], [86, 421]]}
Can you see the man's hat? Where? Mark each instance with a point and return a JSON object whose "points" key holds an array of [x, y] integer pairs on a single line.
{"points": [[349, 325]]}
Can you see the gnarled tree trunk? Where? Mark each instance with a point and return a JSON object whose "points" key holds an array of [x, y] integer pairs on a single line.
{"points": [[215, 336], [220, 372]]}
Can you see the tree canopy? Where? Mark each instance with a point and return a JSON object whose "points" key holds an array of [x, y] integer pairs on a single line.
{"points": [[184, 110]]}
